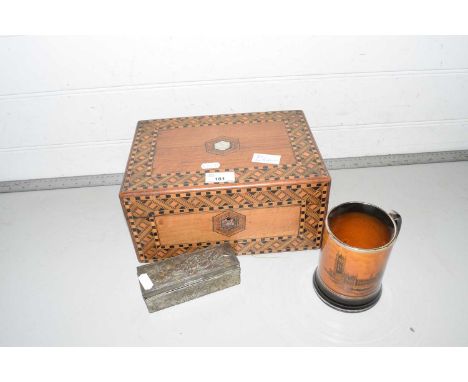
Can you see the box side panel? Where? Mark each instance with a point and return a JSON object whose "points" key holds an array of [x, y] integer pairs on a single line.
{"points": [[129, 221], [141, 229]]}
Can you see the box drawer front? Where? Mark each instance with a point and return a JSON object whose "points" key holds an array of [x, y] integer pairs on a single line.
{"points": [[232, 224]]}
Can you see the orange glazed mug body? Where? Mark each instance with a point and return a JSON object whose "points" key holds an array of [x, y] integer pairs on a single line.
{"points": [[356, 245]]}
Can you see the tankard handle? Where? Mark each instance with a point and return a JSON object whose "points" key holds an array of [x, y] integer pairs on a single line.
{"points": [[397, 219]]}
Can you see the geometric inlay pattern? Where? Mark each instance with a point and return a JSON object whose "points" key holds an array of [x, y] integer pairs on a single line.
{"points": [[145, 196], [222, 145], [138, 175], [228, 223], [141, 212]]}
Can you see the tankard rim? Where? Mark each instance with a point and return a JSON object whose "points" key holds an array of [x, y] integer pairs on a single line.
{"points": [[357, 249]]}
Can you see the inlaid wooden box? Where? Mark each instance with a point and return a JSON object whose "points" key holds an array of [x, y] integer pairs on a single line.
{"points": [[171, 209]]}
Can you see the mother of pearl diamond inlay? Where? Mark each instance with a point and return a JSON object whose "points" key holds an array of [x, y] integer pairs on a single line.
{"points": [[222, 145]]}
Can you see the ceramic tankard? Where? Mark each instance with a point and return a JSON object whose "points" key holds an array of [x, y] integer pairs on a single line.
{"points": [[357, 242]]}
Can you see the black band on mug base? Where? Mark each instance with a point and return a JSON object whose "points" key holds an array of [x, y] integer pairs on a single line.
{"points": [[342, 306]]}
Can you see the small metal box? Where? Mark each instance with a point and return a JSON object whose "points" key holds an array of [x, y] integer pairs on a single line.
{"points": [[188, 276]]}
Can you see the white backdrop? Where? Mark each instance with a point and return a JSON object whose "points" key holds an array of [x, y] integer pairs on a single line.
{"points": [[69, 105]]}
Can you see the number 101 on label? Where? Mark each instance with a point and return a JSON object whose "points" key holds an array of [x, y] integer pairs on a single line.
{"points": [[220, 177]]}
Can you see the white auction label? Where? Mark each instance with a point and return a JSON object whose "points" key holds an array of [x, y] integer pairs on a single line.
{"points": [[208, 165], [266, 158], [220, 177], [145, 281]]}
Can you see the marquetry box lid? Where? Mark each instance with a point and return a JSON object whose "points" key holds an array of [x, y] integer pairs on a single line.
{"points": [[167, 171]]}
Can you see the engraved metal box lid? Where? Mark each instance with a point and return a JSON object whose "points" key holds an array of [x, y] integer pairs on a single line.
{"points": [[188, 276]]}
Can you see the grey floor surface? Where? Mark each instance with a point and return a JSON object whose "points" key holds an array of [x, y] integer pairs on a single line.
{"points": [[67, 274]]}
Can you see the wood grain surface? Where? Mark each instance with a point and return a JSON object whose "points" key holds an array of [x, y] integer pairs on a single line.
{"points": [[181, 150], [260, 222]]}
